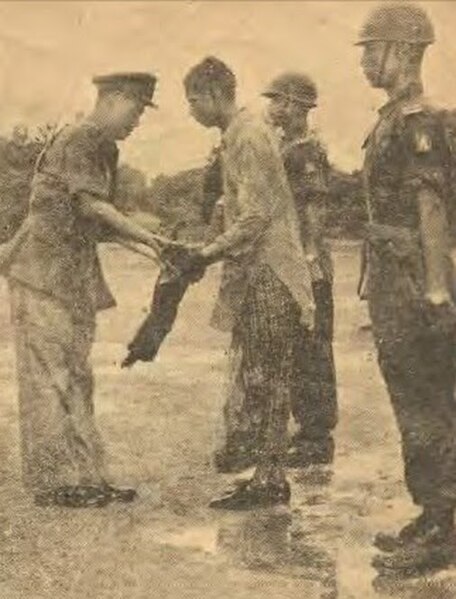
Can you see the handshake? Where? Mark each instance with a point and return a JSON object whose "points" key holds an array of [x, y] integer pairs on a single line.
{"points": [[181, 265], [183, 260]]}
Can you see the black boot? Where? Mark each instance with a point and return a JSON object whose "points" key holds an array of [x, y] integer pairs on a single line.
{"points": [[249, 495], [424, 545], [389, 542]]}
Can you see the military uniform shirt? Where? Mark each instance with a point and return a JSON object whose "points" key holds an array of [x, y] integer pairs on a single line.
{"points": [[59, 257], [405, 152], [307, 169]]}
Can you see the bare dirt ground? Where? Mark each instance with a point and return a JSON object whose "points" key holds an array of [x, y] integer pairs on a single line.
{"points": [[161, 423]]}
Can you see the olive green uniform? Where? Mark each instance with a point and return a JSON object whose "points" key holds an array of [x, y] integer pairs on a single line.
{"points": [[405, 153], [56, 289], [314, 397]]}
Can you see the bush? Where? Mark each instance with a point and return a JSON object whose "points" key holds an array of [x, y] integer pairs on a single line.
{"points": [[178, 201], [181, 202], [346, 205]]}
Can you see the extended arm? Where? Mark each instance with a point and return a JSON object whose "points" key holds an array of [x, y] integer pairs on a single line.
{"points": [[434, 241], [105, 214]]}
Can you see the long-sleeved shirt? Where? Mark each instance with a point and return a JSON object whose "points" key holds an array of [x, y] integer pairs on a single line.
{"points": [[260, 220]]}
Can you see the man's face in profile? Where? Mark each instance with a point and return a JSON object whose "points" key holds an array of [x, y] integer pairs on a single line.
{"points": [[124, 114], [203, 107]]}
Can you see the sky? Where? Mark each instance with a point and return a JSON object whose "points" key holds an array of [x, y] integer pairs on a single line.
{"points": [[51, 50]]}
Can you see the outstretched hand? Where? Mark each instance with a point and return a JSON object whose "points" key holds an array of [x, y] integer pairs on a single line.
{"points": [[186, 259]]}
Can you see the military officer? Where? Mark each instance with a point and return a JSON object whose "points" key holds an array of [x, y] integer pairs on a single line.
{"points": [[57, 287], [314, 399], [409, 301]]}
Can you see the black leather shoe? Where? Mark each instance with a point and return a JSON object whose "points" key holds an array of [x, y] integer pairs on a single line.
{"points": [[247, 496], [391, 542], [435, 549]]}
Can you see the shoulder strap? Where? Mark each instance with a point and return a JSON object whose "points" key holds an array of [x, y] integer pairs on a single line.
{"points": [[49, 142]]}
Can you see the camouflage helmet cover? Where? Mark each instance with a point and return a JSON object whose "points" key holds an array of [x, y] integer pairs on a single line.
{"points": [[295, 86], [397, 22]]}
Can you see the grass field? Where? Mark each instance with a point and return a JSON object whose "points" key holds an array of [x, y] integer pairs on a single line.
{"points": [[161, 423]]}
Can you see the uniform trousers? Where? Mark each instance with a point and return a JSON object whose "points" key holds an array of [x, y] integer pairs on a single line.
{"points": [[314, 389], [418, 365], [60, 443]]}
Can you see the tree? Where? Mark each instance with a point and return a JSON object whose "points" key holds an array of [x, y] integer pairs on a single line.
{"points": [[177, 200], [131, 189]]}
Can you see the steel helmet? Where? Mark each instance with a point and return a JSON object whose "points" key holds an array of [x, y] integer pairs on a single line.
{"points": [[295, 86], [397, 22]]}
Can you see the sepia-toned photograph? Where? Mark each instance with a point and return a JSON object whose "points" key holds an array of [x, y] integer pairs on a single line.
{"points": [[228, 299]]}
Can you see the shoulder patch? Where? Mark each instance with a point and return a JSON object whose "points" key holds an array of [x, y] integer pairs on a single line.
{"points": [[422, 129], [422, 142], [311, 167]]}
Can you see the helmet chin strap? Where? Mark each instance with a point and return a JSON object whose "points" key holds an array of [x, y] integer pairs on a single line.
{"points": [[381, 71]]}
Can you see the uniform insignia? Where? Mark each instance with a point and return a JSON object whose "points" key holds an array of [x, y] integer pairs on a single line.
{"points": [[423, 142]]}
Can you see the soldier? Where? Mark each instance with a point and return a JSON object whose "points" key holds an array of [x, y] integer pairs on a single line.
{"points": [[57, 287], [408, 293], [314, 399], [266, 288]]}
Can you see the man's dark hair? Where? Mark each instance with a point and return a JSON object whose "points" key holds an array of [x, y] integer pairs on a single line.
{"points": [[211, 73]]}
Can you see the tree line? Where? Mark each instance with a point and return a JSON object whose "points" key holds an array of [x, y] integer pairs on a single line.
{"points": [[175, 201], [178, 201]]}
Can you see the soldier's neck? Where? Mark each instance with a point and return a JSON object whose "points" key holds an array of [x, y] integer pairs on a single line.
{"points": [[403, 84], [101, 119]]}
